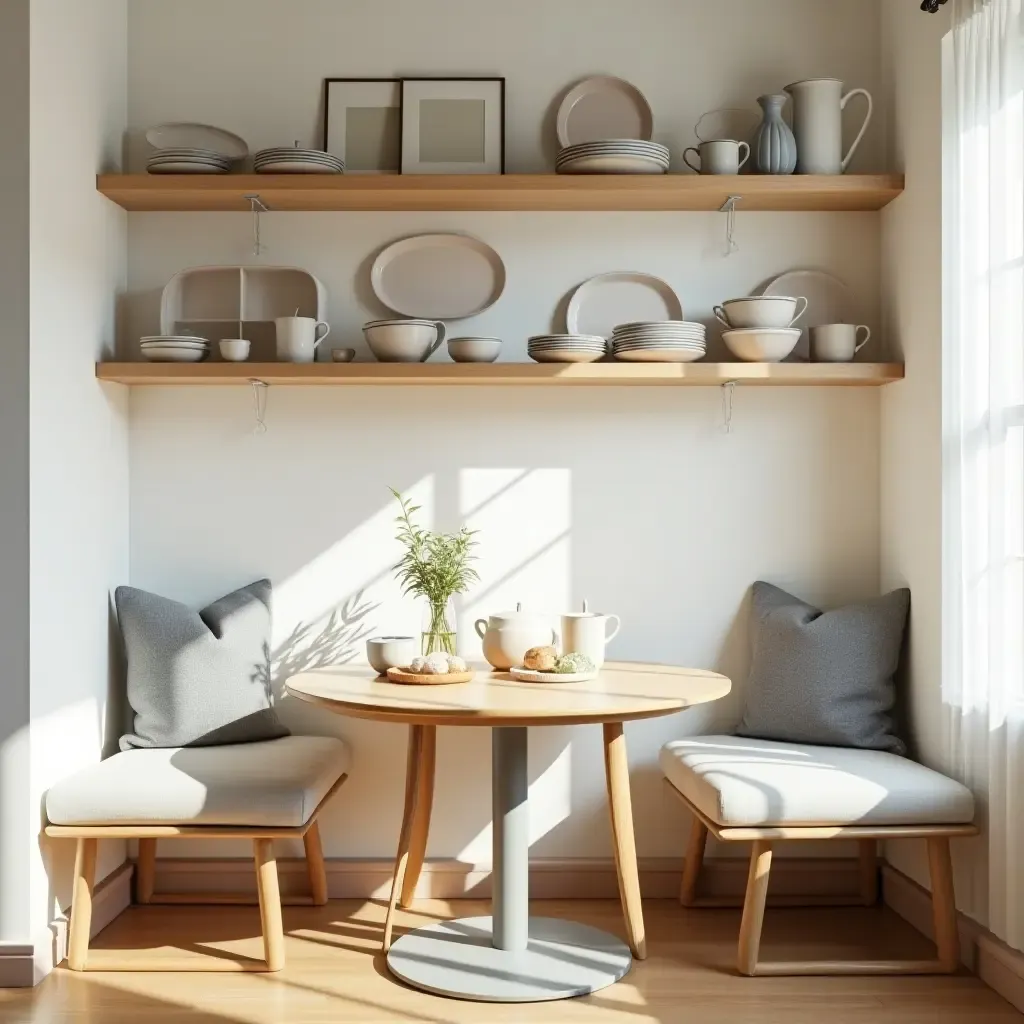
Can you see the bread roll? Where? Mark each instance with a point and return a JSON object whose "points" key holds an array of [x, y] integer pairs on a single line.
{"points": [[540, 659]]}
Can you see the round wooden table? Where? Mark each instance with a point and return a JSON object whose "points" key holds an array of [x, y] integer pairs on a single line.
{"points": [[509, 956]]}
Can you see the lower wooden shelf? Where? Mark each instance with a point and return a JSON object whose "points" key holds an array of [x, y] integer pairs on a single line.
{"points": [[142, 374]]}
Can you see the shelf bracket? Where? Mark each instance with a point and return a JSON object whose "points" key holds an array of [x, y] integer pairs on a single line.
{"points": [[729, 209], [259, 402], [728, 394], [257, 206]]}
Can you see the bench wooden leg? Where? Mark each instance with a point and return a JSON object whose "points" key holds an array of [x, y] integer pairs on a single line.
{"points": [[753, 907], [315, 867], [413, 765], [270, 903], [694, 862], [421, 821], [145, 871], [947, 935], [620, 804], [81, 903], [868, 857]]}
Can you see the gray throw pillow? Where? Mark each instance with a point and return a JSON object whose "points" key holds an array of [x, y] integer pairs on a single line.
{"points": [[824, 678], [198, 678]]}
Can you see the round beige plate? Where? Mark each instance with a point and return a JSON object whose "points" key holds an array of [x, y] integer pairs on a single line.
{"points": [[604, 108], [529, 675], [396, 675]]}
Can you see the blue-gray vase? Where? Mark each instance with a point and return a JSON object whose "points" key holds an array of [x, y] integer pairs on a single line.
{"points": [[774, 144]]}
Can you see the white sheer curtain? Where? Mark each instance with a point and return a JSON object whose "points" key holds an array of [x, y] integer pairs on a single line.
{"points": [[983, 373]]}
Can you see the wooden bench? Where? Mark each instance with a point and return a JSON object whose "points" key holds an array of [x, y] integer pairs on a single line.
{"points": [[254, 791], [763, 792]]}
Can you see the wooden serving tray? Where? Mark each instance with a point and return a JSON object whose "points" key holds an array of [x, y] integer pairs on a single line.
{"points": [[396, 675]]}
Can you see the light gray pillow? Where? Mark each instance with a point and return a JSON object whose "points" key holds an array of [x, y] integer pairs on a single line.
{"points": [[202, 678], [824, 678]]}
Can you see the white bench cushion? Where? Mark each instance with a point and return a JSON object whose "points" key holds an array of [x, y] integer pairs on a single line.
{"points": [[271, 784], [739, 782]]}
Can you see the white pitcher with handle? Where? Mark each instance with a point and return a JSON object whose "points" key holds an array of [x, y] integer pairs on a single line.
{"points": [[818, 106]]}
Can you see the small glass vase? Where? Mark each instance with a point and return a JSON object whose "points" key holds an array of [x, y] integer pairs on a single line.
{"points": [[439, 634]]}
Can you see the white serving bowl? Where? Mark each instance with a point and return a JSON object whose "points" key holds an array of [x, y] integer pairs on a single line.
{"points": [[234, 350], [384, 652], [474, 350], [412, 341], [767, 312], [761, 346]]}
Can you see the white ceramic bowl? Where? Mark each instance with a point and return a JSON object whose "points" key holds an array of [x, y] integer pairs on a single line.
{"points": [[234, 350], [474, 350], [386, 652], [760, 346], [342, 355], [404, 342], [769, 312]]}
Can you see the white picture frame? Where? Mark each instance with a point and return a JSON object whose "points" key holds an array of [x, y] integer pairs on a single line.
{"points": [[363, 123], [434, 141]]}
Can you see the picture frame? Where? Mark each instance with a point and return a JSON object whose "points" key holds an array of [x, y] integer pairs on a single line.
{"points": [[453, 125], [363, 123]]}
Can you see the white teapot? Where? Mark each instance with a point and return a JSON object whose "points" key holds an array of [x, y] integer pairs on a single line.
{"points": [[507, 636]]}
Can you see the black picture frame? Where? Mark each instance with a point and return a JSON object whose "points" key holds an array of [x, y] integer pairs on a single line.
{"points": [[372, 81]]}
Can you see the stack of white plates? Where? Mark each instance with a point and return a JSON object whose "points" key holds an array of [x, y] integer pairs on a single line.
{"points": [[614, 156], [174, 348], [567, 348], [183, 160], [666, 341], [282, 160]]}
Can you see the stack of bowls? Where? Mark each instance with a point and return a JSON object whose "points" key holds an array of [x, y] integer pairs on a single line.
{"points": [[566, 348], [174, 348], [284, 160], [760, 327], [404, 341], [667, 341], [614, 156]]}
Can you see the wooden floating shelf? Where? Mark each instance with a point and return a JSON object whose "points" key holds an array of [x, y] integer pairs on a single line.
{"points": [[227, 192], [503, 374]]}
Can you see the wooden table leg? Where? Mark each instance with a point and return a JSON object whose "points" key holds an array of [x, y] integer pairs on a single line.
{"points": [[421, 822], [621, 806], [413, 763]]}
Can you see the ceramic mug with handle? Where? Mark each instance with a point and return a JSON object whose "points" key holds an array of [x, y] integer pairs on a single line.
{"points": [[588, 633], [719, 156], [837, 343], [298, 338]]}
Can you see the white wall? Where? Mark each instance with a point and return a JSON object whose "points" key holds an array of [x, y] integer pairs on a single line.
{"points": [[15, 811], [634, 499], [79, 464], [912, 410]]}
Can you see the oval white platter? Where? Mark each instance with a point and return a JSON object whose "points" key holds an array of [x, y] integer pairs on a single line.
{"points": [[188, 135], [528, 675], [440, 276], [601, 108], [604, 302]]}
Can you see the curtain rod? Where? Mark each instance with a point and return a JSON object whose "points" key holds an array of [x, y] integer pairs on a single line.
{"points": [[931, 6]]}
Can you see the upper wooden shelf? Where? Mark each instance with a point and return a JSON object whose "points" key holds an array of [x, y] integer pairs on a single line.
{"points": [[507, 374], [501, 192]]}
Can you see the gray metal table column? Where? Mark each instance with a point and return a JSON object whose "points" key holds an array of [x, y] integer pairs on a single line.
{"points": [[509, 957]]}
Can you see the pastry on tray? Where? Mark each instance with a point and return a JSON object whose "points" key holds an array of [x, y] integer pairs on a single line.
{"points": [[540, 659]]}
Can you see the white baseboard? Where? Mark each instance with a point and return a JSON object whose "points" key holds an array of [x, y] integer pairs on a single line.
{"points": [[1000, 967], [26, 964], [549, 879]]}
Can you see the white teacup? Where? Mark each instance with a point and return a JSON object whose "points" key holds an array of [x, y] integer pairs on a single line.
{"points": [[719, 156], [386, 652], [298, 338], [234, 350], [837, 343], [587, 633]]}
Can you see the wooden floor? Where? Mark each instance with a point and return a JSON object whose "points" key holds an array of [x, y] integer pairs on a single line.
{"points": [[336, 973]]}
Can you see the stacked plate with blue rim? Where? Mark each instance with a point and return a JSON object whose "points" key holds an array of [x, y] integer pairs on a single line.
{"points": [[566, 348], [284, 160], [665, 341], [614, 156], [188, 160]]}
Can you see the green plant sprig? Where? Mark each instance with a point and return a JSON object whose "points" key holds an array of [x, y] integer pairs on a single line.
{"points": [[435, 565]]}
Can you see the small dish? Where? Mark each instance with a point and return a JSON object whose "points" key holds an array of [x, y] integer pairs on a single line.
{"points": [[342, 355], [529, 675], [234, 350], [474, 350]]}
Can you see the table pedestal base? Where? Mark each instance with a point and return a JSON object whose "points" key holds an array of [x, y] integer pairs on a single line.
{"points": [[457, 958]]}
